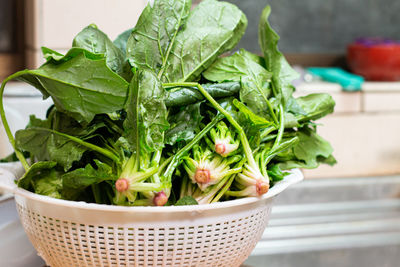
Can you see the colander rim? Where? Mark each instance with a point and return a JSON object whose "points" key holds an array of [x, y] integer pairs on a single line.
{"points": [[295, 176]]}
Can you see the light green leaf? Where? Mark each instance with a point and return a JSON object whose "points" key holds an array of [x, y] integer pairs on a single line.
{"points": [[315, 106]]}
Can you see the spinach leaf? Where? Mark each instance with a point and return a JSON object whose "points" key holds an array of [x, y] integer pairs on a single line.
{"points": [[275, 62], [45, 145], [212, 28], [50, 54], [97, 42], [254, 78], [42, 178], [122, 39], [315, 106], [76, 181], [309, 152], [80, 84], [256, 121], [275, 173], [146, 119], [150, 44], [186, 95], [184, 124], [186, 200]]}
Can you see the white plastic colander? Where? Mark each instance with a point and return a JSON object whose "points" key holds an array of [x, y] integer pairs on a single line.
{"points": [[69, 233]]}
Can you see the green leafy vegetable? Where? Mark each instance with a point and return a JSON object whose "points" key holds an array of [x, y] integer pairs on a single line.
{"points": [[212, 28], [255, 91], [97, 42], [153, 38], [275, 62], [161, 114], [74, 182], [146, 112], [79, 83], [186, 200], [184, 124]]}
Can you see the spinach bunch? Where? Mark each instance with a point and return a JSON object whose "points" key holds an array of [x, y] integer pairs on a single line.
{"points": [[160, 116]]}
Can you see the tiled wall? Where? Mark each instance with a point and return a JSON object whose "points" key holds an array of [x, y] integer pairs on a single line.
{"points": [[54, 23], [364, 129]]}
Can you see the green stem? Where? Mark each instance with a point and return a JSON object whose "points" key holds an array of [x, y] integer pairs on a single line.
{"points": [[103, 151], [267, 131], [243, 138], [177, 157], [18, 153], [281, 127]]}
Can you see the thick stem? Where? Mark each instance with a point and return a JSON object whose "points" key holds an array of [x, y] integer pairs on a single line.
{"points": [[18, 153]]}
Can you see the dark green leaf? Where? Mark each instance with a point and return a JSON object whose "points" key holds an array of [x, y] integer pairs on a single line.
{"points": [[79, 84], [276, 174], [76, 181], [146, 119], [46, 146], [122, 39], [42, 178], [184, 124], [153, 37], [212, 28], [186, 200], [97, 42], [186, 95]]}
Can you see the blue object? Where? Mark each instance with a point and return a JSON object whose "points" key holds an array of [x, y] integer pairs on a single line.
{"points": [[349, 81]]}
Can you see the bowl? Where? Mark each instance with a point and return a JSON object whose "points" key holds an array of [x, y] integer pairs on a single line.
{"points": [[375, 59], [70, 233]]}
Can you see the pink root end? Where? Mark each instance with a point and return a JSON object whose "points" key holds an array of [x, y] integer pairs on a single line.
{"points": [[202, 176], [160, 199], [262, 187], [122, 185], [220, 148]]}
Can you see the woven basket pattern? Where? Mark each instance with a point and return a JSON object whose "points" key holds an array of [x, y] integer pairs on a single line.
{"points": [[219, 242]]}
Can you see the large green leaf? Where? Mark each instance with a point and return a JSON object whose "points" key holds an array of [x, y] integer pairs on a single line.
{"points": [[153, 37], [42, 178], [122, 39], [146, 119], [45, 145], [315, 106], [80, 84], [255, 79], [184, 124], [97, 42], [212, 28], [76, 181], [309, 152], [275, 62]]}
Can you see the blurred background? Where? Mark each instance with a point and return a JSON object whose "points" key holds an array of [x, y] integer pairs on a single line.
{"points": [[346, 215]]}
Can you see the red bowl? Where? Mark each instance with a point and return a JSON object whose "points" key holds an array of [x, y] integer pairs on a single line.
{"points": [[375, 61]]}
